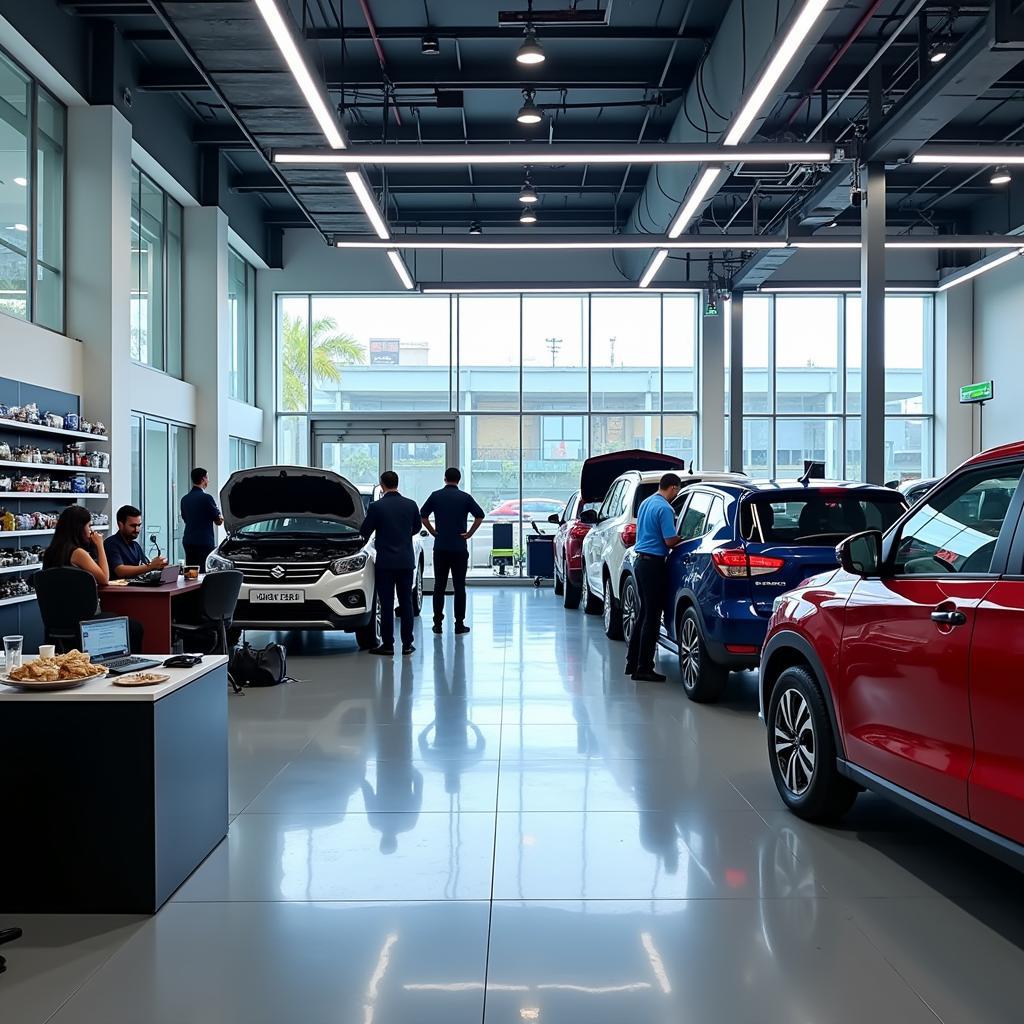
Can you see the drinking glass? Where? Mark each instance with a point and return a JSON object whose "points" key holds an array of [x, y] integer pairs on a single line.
{"points": [[12, 652]]}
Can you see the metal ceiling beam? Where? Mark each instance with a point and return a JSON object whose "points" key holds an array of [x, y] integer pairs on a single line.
{"points": [[512, 36]]}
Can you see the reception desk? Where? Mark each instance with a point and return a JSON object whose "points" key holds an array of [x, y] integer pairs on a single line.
{"points": [[111, 796], [153, 607]]}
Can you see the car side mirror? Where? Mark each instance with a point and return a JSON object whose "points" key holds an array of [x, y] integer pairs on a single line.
{"points": [[555, 518], [861, 554], [588, 516]]}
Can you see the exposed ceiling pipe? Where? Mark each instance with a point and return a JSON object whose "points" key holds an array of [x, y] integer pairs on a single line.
{"points": [[836, 58], [371, 26]]}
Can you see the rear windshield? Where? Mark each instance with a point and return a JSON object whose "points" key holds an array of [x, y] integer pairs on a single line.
{"points": [[817, 517], [643, 491], [291, 526]]}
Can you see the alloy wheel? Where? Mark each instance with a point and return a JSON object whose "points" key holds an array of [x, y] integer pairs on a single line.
{"points": [[630, 609], [689, 653], [606, 611], [793, 742], [419, 587]]}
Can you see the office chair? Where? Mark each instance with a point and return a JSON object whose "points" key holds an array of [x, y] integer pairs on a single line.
{"points": [[66, 596], [7, 935], [218, 596]]}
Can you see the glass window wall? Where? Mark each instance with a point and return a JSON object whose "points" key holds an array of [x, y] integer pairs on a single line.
{"points": [[161, 467], [242, 316]]}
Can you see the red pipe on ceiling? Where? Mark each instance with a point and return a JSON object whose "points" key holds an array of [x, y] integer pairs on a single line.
{"points": [[368, 15]]}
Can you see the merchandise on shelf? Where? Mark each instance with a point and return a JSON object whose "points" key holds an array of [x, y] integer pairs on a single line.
{"points": [[14, 587], [12, 557], [66, 421]]}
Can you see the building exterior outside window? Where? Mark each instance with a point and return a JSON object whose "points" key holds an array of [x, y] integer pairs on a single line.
{"points": [[32, 139]]}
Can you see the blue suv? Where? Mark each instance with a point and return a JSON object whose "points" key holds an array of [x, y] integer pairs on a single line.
{"points": [[743, 545]]}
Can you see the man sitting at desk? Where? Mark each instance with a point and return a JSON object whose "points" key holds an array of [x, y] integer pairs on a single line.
{"points": [[124, 553]]}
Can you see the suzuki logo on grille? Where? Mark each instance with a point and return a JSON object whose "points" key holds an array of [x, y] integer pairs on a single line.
{"points": [[277, 572]]}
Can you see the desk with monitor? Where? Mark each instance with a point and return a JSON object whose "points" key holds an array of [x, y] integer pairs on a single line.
{"points": [[151, 606]]}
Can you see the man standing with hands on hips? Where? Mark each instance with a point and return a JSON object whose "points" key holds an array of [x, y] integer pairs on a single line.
{"points": [[655, 537], [201, 515], [451, 508]]}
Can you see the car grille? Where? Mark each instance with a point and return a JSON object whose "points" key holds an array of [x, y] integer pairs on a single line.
{"points": [[282, 573]]}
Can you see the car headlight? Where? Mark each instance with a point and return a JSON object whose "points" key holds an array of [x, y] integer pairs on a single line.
{"points": [[353, 563], [215, 562]]}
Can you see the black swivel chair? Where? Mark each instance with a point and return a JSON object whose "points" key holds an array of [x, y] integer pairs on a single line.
{"points": [[66, 597], [218, 596], [7, 935]]}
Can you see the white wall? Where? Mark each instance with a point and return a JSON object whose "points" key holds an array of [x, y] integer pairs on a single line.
{"points": [[38, 356], [999, 350]]}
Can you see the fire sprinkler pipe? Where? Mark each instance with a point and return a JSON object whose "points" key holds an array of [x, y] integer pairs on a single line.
{"points": [[372, 27]]}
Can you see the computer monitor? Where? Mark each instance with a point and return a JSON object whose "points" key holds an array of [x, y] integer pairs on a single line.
{"points": [[103, 639]]}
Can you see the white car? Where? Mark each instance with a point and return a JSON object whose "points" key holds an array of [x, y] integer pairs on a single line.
{"points": [[293, 532], [613, 532]]}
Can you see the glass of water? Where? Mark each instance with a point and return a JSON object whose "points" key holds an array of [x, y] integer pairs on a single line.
{"points": [[12, 652]]}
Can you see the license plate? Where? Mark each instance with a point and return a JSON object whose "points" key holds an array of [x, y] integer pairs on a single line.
{"points": [[277, 596]]}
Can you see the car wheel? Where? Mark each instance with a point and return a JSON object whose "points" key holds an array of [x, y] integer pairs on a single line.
{"points": [[703, 679], [417, 592], [591, 604], [559, 583], [571, 593], [368, 636], [802, 749], [630, 607], [611, 613]]}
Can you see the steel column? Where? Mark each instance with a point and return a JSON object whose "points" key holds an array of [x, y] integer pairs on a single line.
{"points": [[872, 334], [736, 383]]}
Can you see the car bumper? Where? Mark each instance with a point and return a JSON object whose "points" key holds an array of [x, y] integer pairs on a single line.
{"points": [[735, 633], [333, 602]]}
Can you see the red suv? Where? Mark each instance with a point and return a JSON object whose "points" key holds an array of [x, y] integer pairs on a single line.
{"points": [[900, 672]]}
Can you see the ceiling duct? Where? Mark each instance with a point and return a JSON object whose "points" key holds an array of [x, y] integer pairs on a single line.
{"points": [[581, 16]]}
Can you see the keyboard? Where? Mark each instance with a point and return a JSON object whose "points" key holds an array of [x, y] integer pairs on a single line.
{"points": [[120, 663]]}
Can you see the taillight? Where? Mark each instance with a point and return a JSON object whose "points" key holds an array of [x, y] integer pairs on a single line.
{"points": [[578, 531], [628, 535], [735, 563]]}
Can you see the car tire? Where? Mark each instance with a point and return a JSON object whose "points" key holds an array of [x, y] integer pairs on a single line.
{"points": [[417, 591], [802, 749], [559, 584], [368, 636], [630, 604], [703, 679], [571, 593], [591, 604], [611, 613]]}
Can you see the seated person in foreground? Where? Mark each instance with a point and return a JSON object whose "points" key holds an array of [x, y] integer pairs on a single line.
{"points": [[125, 557]]}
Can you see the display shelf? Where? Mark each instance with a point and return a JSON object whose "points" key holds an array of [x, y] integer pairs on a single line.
{"points": [[55, 495], [21, 599], [79, 470], [38, 428], [4, 534], [20, 568]]}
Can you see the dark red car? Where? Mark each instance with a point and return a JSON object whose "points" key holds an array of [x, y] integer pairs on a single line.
{"points": [[596, 476], [900, 672]]}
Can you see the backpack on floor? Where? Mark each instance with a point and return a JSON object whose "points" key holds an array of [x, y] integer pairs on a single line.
{"points": [[266, 667]]}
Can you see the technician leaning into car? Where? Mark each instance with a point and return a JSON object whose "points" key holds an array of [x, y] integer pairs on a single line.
{"points": [[655, 537]]}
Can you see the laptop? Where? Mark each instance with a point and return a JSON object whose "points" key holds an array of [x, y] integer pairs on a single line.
{"points": [[157, 578], [106, 643]]}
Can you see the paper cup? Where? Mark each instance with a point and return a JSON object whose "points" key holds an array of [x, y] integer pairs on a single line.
{"points": [[47, 651]]}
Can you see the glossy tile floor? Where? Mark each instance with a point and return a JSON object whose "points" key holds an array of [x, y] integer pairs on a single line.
{"points": [[503, 828]]}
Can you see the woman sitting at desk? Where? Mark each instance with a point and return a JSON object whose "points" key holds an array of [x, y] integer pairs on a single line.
{"points": [[75, 545]]}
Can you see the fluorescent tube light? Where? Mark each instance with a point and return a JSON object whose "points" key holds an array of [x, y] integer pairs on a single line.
{"points": [[715, 243], [366, 200], [690, 207], [981, 156], [315, 97], [532, 289], [653, 266], [400, 269], [969, 273], [556, 154], [918, 242], [783, 54]]}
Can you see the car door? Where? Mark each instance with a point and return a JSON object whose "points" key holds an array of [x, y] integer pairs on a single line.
{"points": [[566, 520], [905, 660], [691, 527], [996, 784], [596, 541]]}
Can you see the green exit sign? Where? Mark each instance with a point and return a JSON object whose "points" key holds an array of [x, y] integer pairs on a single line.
{"points": [[980, 392]]}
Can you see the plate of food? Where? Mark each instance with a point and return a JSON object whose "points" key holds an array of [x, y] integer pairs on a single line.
{"points": [[61, 672], [141, 679]]}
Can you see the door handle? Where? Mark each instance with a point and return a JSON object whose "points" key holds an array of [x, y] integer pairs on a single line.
{"points": [[949, 618]]}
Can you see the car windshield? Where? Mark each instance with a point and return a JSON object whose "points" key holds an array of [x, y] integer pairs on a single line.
{"points": [[298, 525], [643, 491], [817, 517]]}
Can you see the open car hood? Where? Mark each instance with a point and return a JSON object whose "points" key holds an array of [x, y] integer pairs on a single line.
{"points": [[597, 473], [269, 492]]}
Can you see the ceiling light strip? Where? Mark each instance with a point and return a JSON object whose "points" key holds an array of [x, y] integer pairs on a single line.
{"points": [[696, 197], [554, 242], [653, 266], [555, 154], [577, 288], [969, 273], [400, 269], [975, 156], [315, 96], [366, 200]]}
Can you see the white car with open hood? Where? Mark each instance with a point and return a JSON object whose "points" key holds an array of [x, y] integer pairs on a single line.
{"points": [[293, 532]]}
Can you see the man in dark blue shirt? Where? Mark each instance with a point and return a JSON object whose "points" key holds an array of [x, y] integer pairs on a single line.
{"points": [[125, 557], [201, 515], [393, 521], [655, 537], [451, 508]]}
